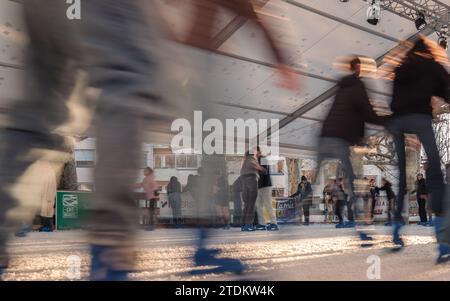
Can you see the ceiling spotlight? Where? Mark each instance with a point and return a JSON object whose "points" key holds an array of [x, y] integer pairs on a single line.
{"points": [[343, 0], [374, 12], [442, 41], [420, 21]]}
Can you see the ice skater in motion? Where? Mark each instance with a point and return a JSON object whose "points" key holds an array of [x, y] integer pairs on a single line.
{"points": [[344, 127], [114, 46], [419, 78], [201, 36]]}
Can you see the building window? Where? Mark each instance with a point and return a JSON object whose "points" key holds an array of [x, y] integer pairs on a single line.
{"points": [[144, 162], [186, 161], [85, 157], [164, 161]]}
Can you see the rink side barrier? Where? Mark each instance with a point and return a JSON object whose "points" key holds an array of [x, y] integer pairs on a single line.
{"points": [[72, 208]]}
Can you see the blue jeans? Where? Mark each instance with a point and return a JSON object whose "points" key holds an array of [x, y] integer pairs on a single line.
{"points": [[336, 148], [420, 125]]}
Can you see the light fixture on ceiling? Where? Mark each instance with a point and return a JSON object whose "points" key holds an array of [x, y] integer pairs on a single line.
{"points": [[343, 0], [420, 21], [374, 12]]}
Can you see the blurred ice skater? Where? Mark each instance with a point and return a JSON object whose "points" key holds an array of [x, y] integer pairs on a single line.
{"points": [[201, 36], [28, 126], [344, 127], [115, 44], [417, 80], [121, 44]]}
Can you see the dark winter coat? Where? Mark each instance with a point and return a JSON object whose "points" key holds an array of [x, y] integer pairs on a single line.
{"points": [[350, 111], [416, 81]]}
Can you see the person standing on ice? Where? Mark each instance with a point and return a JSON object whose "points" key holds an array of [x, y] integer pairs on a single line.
{"points": [[250, 172], [304, 196]]}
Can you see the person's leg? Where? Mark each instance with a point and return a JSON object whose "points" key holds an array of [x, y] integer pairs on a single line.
{"points": [[267, 204], [122, 65], [396, 128], [434, 176], [390, 210], [399, 142], [113, 217], [272, 223], [338, 210], [422, 210], [435, 180], [260, 207], [237, 208], [178, 210], [172, 206], [372, 209], [344, 157], [248, 215], [250, 194], [306, 205], [445, 237], [429, 210], [18, 157], [226, 216]]}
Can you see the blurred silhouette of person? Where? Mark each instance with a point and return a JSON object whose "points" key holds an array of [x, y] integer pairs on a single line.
{"points": [[237, 202], [150, 188], [328, 201], [264, 199], [28, 125], [201, 36], [344, 127], [206, 13], [113, 48], [304, 196], [417, 80], [386, 186], [250, 172], [373, 190], [189, 184], [174, 196], [421, 196], [222, 202], [340, 197]]}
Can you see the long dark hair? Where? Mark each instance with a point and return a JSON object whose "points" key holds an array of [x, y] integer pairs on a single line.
{"points": [[173, 180]]}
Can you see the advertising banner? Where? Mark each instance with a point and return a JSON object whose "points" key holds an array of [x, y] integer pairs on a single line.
{"points": [[71, 209], [286, 211]]}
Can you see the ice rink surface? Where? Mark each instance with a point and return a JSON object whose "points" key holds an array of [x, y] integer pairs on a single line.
{"points": [[316, 252]]}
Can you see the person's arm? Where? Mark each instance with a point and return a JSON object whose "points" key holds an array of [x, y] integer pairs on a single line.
{"points": [[366, 107], [205, 15], [139, 185], [443, 84]]}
